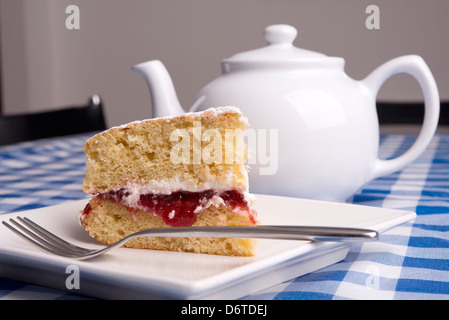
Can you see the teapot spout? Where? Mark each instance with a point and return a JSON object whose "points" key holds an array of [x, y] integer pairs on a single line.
{"points": [[163, 95]]}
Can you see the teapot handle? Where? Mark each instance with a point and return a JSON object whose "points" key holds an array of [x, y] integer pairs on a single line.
{"points": [[416, 67]]}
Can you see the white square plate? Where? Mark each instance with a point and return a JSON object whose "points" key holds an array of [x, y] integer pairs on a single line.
{"points": [[142, 274]]}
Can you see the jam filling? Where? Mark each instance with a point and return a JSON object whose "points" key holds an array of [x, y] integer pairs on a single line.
{"points": [[180, 208]]}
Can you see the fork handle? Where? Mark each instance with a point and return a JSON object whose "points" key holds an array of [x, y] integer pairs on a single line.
{"points": [[307, 233]]}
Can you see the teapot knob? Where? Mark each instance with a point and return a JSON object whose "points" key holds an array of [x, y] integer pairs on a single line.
{"points": [[280, 34]]}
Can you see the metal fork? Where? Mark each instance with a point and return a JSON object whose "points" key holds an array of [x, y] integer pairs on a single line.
{"points": [[48, 241]]}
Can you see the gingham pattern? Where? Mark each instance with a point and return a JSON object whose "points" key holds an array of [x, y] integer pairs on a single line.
{"points": [[408, 262], [41, 173]]}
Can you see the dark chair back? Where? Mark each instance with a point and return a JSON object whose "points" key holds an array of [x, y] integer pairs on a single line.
{"points": [[73, 120]]}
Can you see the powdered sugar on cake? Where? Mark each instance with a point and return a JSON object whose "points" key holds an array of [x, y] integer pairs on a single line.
{"points": [[213, 111]]}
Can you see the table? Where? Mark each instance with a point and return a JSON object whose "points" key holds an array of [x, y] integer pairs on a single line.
{"points": [[410, 261]]}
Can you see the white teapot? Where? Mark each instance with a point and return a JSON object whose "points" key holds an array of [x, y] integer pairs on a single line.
{"points": [[321, 126]]}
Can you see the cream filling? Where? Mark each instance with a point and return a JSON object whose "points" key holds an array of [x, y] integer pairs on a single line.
{"points": [[214, 201], [168, 186], [134, 191]]}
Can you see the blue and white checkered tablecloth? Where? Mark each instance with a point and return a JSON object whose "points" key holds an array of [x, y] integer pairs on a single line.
{"points": [[410, 261]]}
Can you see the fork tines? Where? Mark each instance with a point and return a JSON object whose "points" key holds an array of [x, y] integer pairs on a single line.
{"points": [[42, 238]]}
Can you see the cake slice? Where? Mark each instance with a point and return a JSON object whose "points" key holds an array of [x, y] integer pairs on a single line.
{"points": [[187, 170]]}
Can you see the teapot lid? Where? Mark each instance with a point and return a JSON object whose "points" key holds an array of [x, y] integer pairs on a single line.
{"points": [[279, 51]]}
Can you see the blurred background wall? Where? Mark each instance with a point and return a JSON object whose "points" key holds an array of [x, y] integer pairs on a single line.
{"points": [[44, 65]]}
